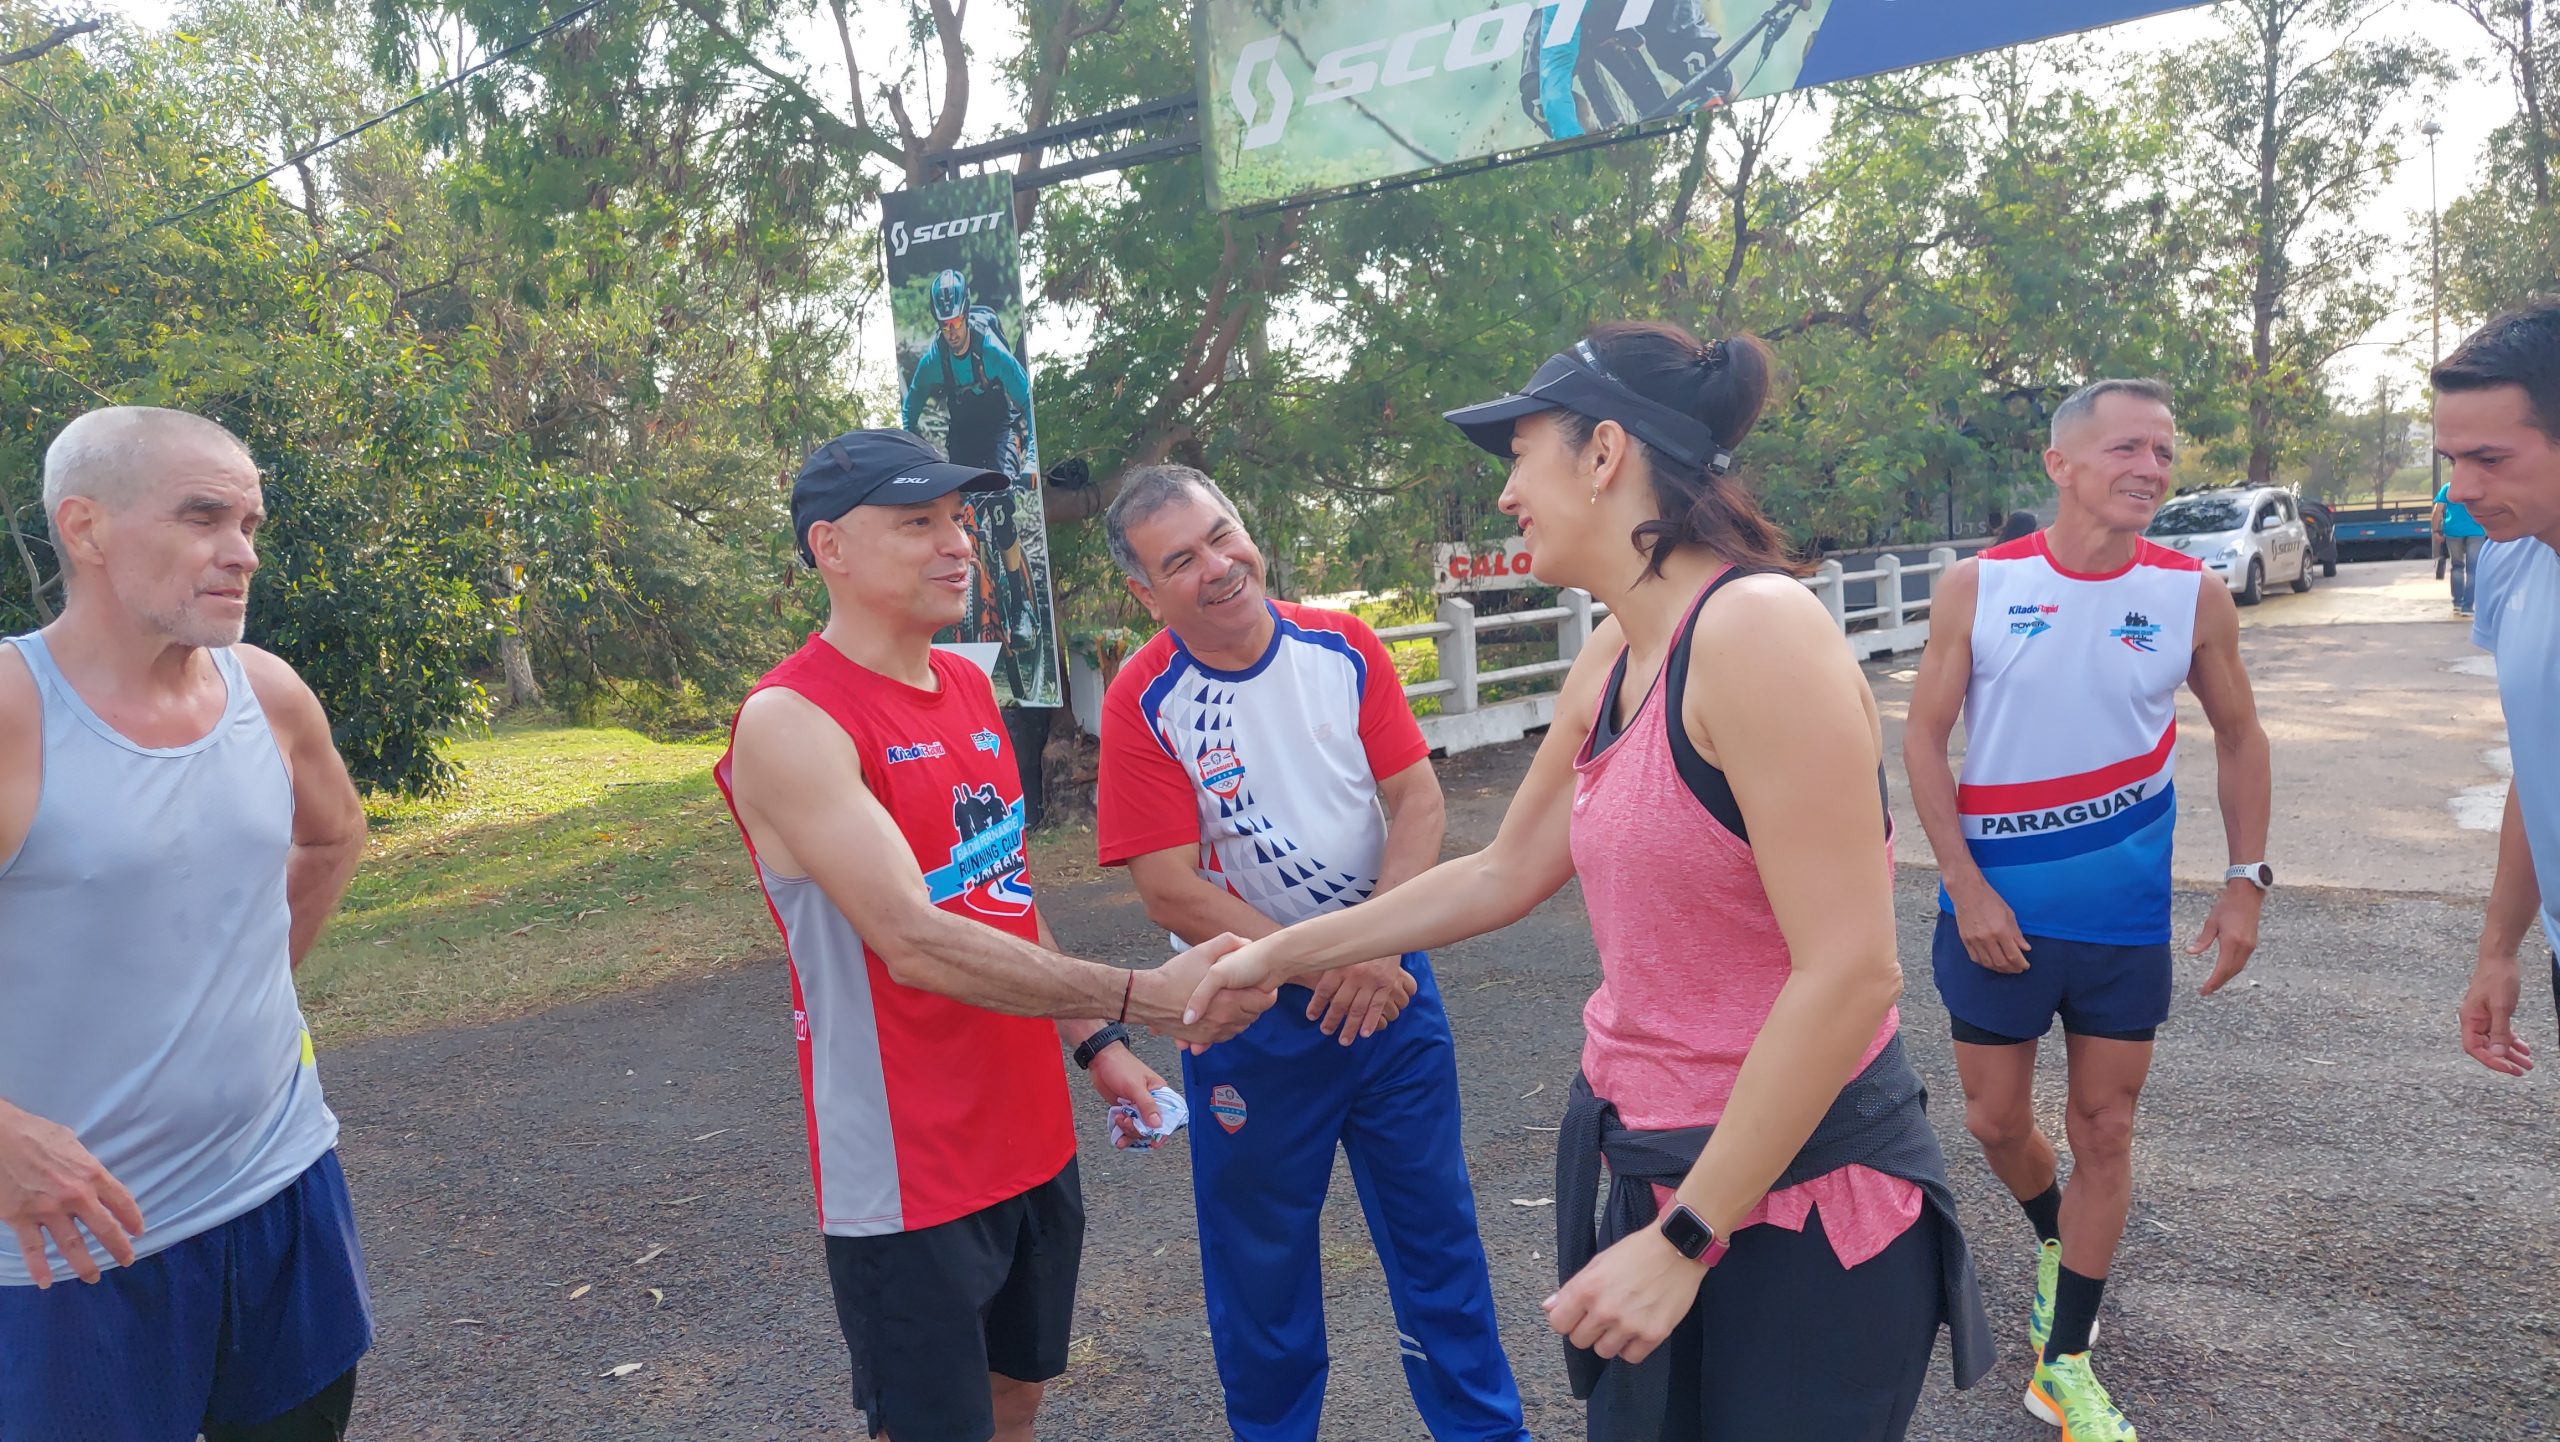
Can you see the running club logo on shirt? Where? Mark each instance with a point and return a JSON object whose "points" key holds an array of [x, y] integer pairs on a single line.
{"points": [[2137, 632], [922, 751], [987, 741], [1221, 772], [986, 871], [2032, 620], [1227, 1107]]}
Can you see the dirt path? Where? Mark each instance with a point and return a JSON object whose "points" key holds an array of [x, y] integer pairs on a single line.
{"points": [[2343, 1229]]}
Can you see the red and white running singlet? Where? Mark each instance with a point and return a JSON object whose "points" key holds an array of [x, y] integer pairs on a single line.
{"points": [[921, 1109], [2071, 738]]}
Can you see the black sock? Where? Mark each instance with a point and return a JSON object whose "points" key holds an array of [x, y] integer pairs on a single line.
{"points": [[2075, 1311], [2044, 1209]]}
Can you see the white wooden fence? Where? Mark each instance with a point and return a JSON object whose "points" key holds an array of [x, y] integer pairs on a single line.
{"points": [[1897, 622]]}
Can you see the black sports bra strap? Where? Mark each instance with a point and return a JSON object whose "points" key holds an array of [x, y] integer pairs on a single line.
{"points": [[1705, 782]]}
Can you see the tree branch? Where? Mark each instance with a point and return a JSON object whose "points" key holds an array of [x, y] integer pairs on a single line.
{"points": [[88, 152], [830, 126], [947, 15], [37, 583], [852, 67], [62, 34], [1048, 73]]}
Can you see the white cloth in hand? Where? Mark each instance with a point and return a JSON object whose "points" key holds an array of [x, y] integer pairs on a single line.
{"points": [[1168, 1102]]}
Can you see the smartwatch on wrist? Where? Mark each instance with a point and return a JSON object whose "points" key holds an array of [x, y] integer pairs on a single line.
{"points": [[1093, 1045], [2256, 873], [1690, 1236]]}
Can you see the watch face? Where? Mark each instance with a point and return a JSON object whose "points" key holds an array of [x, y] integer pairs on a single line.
{"points": [[1689, 1236]]}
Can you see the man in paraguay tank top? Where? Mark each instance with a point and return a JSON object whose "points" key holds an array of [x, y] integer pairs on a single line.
{"points": [[2064, 652], [178, 1252]]}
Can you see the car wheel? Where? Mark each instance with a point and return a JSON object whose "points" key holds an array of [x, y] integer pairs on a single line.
{"points": [[2256, 590], [2329, 569], [2302, 582]]}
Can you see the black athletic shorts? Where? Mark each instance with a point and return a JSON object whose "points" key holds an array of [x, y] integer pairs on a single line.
{"points": [[928, 1314]]}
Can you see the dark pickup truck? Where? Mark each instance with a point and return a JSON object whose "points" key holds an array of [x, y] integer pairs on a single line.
{"points": [[2382, 533]]}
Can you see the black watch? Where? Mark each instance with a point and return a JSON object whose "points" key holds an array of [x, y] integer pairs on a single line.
{"points": [[1687, 1232], [1093, 1045]]}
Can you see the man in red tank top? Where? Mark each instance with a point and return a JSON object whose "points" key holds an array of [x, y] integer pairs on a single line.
{"points": [[871, 778]]}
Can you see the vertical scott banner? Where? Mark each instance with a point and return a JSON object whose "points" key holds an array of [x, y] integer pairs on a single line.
{"points": [[1312, 95], [955, 301]]}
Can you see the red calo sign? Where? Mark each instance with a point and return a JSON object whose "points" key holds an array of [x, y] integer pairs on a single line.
{"points": [[1481, 568]]}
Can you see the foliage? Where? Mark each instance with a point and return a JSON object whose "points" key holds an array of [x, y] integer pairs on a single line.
{"points": [[531, 365], [2502, 239], [2290, 104], [242, 314]]}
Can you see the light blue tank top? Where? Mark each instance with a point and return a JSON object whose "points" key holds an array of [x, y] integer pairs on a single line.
{"points": [[146, 991]]}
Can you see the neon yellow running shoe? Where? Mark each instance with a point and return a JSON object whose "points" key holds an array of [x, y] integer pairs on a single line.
{"points": [[2068, 1395]]}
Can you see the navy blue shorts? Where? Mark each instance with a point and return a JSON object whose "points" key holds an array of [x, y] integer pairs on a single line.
{"points": [[228, 1328], [2118, 993]]}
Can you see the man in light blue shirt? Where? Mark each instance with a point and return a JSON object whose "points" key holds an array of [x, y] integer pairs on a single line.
{"points": [[2498, 423], [2460, 538]]}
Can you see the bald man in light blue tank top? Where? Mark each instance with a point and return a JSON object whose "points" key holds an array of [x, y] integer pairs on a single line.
{"points": [[175, 827]]}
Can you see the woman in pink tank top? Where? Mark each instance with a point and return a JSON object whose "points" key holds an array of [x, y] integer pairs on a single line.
{"points": [[1779, 1246]]}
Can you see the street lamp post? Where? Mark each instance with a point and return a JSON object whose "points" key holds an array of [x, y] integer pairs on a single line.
{"points": [[2435, 291]]}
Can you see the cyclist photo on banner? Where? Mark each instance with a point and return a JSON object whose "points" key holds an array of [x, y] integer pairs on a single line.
{"points": [[1593, 71], [957, 308]]}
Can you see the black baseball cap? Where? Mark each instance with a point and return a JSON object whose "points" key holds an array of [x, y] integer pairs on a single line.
{"points": [[1574, 380], [877, 468]]}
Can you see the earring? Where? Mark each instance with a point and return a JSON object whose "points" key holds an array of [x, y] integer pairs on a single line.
{"points": [[1595, 493]]}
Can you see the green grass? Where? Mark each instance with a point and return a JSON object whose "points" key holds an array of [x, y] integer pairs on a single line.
{"points": [[572, 861]]}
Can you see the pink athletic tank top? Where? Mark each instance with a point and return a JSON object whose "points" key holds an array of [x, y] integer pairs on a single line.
{"points": [[1691, 962]]}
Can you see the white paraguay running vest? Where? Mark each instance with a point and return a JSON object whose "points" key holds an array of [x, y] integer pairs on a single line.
{"points": [[2071, 738]]}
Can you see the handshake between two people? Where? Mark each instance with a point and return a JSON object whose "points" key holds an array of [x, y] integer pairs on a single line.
{"points": [[1218, 988], [1224, 984]]}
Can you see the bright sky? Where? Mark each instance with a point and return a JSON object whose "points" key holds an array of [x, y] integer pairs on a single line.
{"points": [[2468, 110]]}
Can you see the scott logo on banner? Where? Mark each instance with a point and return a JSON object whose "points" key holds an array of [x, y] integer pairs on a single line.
{"points": [[900, 237], [1489, 38]]}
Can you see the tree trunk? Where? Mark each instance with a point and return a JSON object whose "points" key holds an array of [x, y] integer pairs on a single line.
{"points": [[1070, 764], [515, 659]]}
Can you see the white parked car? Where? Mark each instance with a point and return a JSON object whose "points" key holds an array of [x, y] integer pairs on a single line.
{"points": [[2247, 535]]}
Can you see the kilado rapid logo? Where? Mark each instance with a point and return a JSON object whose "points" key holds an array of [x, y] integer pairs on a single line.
{"points": [[900, 237], [1488, 38]]}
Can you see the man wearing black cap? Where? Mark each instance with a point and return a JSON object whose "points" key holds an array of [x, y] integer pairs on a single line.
{"points": [[869, 779]]}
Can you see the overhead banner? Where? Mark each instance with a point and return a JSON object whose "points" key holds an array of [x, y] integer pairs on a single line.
{"points": [[1306, 96], [955, 302]]}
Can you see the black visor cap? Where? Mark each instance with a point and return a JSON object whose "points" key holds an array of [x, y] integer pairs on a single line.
{"points": [[877, 468], [1568, 383]]}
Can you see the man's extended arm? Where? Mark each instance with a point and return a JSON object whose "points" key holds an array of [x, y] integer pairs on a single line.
{"points": [[1117, 1073], [800, 793]]}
